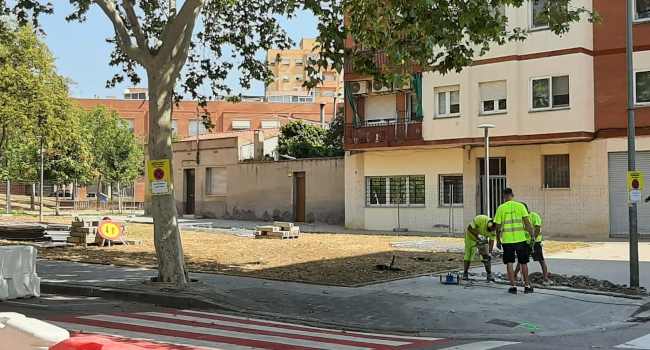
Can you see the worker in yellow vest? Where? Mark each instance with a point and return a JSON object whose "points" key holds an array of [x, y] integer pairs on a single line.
{"points": [[512, 223], [536, 249], [480, 233]]}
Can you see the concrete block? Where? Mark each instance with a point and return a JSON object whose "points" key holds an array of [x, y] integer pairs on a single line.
{"points": [[23, 333], [4, 291], [23, 285], [285, 225], [80, 224], [18, 259], [268, 228]]}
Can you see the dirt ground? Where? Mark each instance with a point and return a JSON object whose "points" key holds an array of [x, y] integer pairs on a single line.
{"points": [[334, 259]]}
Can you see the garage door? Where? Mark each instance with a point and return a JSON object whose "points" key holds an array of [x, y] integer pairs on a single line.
{"points": [[618, 207]]}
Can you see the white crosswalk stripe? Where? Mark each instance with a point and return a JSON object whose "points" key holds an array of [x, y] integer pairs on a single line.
{"points": [[194, 330], [638, 343]]}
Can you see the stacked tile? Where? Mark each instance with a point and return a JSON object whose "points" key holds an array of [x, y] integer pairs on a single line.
{"points": [[84, 232], [18, 278]]}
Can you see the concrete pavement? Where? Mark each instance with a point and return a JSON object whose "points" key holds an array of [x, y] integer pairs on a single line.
{"points": [[416, 306]]}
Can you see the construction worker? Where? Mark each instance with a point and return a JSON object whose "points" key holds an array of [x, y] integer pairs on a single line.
{"points": [[512, 224], [478, 232], [536, 251]]}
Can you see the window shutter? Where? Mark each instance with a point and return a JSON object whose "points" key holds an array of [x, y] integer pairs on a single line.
{"points": [[241, 124], [218, 181], [448, 88], [560, 86], [497, 90]]}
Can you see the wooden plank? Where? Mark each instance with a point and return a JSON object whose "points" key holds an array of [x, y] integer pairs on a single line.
{"points": [[285, 225], [76, 240]]}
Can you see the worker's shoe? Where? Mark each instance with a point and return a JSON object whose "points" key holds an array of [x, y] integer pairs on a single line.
{"points": [[512, 290], [528, 290], [465, 276], [547, 283], [490, 278]]}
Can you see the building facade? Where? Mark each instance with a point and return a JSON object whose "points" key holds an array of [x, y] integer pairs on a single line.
{"points": [[290, 74], [559, 107]]}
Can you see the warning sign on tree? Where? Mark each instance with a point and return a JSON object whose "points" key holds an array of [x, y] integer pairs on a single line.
{"points": [[159, 177]]}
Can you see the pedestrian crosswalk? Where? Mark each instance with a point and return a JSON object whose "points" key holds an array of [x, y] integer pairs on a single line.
{"points": [[638, 343], [195, 330]]}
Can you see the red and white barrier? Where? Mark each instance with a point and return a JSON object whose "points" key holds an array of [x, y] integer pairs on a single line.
{"points": [[92, 343], [18, 278], [18, 332]]}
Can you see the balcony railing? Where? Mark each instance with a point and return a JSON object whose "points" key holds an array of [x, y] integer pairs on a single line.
{"points": [[379, 58], [390, 132]]}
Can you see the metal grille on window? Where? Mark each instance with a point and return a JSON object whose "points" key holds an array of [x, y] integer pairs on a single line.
{"points": [[376, 190], [557, 171], [397, 190], [451, 189], [416, 190]]}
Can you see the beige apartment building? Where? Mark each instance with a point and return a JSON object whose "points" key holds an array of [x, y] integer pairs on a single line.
{"points": [[290, 74]]}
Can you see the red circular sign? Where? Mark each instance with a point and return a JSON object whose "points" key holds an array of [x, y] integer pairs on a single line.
{"points": [[158, 174], [110, 230], [635, 184]]}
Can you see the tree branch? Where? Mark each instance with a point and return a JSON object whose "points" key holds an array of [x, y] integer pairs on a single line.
{"points": [[122, 33], [135, 25], [174, 32]]}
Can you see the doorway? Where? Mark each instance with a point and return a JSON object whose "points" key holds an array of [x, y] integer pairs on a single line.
{"points": [[498, 182], [300, 200], [190, 191]]}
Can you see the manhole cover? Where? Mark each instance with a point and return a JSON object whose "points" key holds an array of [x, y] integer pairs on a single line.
{"points": [[504, 323]]}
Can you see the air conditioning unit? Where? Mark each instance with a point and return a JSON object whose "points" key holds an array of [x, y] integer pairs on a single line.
{"points": [[359, 87], [377, 86]]}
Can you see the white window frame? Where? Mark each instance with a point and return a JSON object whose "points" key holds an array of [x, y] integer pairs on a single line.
{"points": [[175, 130], [441, 191], [299, 77], [637, 103], [389, 203], [286, 77], [209, 191], [241, 124], [497, 110], [531, 18], [326, 76], [130, 124], [448, 92], [636, 15], [550, 92], [298, 61], [286, 62], [192, 128], [266, 124]]}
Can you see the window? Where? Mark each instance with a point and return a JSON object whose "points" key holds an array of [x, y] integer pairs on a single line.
{"points": [[642, 87], [194, 124], [549, 93], [391, 191], [448, 101], [298, 77], [451, 190], [298, 61], [241, 124], [328, 77], [641, 10], [413, 105], [537, 19], [175, 126], [286, 77], [215, 181], [272, 63], [286, 62], [131, 124], [557, 172], [493, 97], [270, 124]]}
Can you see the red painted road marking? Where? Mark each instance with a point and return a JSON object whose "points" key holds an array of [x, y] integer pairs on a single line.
{"points": [[199, 330]]}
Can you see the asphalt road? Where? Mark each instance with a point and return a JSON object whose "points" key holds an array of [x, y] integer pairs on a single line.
{"points": [[71, 310]]}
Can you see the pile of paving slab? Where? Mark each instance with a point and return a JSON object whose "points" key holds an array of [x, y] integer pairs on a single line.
{"points": [[18, 278]]}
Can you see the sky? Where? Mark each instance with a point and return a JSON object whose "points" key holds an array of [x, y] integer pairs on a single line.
{"points": [[83, 53]]}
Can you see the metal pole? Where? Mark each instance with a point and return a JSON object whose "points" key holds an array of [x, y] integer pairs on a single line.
{"points": [[40, 193], [487, 172], [8, 196], [631, 149]]}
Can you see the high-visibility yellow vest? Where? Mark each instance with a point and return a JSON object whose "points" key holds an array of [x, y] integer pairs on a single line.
{"points": [[510, 215]]}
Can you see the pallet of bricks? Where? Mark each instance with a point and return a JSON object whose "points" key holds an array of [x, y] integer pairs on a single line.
{"points": [[279, 230], [84, 232]]}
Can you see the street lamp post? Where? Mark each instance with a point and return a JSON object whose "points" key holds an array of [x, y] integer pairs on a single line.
{"points": [[40, 190], [486, 185], [631, 147]]}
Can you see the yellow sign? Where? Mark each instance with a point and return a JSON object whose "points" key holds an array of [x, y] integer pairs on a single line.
{"points": [[635, 186], [159, 177], [110, 230]]}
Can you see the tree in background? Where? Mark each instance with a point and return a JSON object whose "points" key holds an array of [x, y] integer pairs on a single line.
{"points": [[301, 140], [158, 36]]}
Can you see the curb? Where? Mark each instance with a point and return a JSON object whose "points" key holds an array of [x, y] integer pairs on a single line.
{"points": [[197, 302]]}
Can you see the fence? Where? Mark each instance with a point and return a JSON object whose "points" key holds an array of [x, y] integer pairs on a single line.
{"points": [[22, 196], [448, 207]]}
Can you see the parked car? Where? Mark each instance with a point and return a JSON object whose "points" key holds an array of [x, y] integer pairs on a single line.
{"points": [[62, 193]]}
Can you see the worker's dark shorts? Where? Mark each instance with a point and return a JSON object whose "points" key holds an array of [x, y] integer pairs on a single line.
{"points": [[520, 250], [538, 254]]}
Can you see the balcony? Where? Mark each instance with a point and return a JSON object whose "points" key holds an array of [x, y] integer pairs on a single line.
{"points": [[379, 58], [387, 133]]}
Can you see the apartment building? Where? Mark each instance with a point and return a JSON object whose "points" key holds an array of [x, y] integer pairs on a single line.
{"points": [[290, 75], [559, 107]]}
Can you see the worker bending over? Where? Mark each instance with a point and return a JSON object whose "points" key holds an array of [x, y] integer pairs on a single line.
{"points": [[512, 224], [480, 233], [536, 249]]}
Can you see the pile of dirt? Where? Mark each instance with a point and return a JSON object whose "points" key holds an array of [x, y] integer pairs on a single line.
{"points": [[588, 283]]}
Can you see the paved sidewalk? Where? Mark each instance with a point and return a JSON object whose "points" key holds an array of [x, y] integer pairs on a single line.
{"points": [[418, 305]]}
